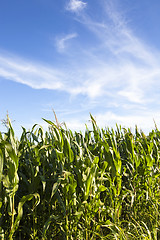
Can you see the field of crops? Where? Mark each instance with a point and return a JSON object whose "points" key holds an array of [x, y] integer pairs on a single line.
{"points": [[59, 184]]}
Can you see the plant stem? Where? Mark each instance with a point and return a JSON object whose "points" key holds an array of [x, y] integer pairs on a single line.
{"points": [[12, 219]]}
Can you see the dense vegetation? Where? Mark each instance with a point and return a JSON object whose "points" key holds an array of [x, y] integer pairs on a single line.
{"points": [[59, 184]]}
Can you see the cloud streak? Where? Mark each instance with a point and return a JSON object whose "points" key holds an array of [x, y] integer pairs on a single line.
{"points": [[118, 70], [31, 74], [76, 6], [61, 43], [127, 61]]}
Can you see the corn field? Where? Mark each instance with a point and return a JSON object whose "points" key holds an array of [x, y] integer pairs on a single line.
{"points": [[64, 185]]}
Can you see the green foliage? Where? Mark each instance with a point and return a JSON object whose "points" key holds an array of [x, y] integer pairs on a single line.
{"points": [[64, 185]]}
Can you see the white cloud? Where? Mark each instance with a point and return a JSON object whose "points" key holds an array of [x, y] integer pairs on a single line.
{"points": [[61, 43], [75, 124], [120, 70], [144, 121], [76, 5], [121, 61], [120, 66], [32, 74]]}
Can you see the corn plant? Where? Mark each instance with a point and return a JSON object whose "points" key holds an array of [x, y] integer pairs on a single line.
{"points": [[59, 184]]}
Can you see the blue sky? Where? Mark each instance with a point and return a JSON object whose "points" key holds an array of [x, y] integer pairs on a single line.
{"points": [[77, 57]]}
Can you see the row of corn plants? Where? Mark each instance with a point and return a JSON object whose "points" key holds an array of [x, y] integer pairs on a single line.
{"points": [[59, 184]]}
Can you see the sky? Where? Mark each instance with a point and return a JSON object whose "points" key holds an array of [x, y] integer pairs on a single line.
{"points": [[80, 57]]}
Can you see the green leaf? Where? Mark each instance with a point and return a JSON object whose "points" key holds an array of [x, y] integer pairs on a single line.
{"points": [[20, 210], [1, 167], [55, 187], [102, 188], [48, 222]]}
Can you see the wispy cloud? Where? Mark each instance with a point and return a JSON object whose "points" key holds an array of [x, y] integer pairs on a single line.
{"points": [[118, 70], [76, 5], [120, 65], [31, 74], [62, 42], [126, 61], [144, 121]]}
